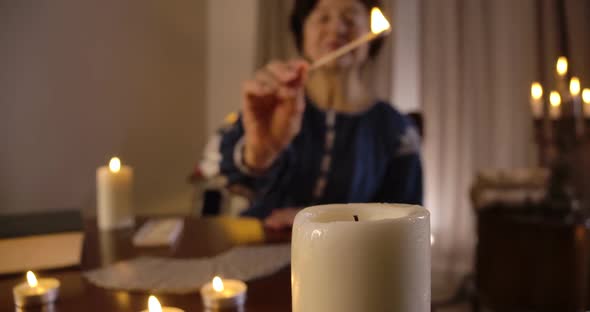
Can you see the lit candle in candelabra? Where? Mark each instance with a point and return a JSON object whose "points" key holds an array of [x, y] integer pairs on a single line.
{"points": [[555, 100], [537, 100], [577, 104], [561, 68], [575, 87], [586, 99]]}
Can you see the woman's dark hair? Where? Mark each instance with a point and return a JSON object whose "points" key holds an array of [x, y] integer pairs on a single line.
{"points": [[303, 8]]}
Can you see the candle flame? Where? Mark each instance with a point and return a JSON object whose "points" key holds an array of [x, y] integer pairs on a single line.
{"points": [[586, 96], [154, 305], [561, 65], [432, 239], [218, 284], [536, 91], [31, 279], [379, 23], [575, 86], [555, 99], [115, 164]]}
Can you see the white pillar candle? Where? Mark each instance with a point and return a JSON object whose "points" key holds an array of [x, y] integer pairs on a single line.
{"points": [[114, 186], [379, 263], [586, 100]]}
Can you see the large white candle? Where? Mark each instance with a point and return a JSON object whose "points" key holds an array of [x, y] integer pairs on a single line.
{"points": [[379, 263], [114, 186]]}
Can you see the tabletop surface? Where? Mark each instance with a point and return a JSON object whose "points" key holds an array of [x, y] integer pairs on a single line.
{"points": [[201, 237]]}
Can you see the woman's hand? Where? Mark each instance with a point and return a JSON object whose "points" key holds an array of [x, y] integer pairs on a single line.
{"points": [[273, 105], [281, 219]]}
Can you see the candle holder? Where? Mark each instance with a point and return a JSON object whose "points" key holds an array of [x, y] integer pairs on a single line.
{"points": [[562, 134]]}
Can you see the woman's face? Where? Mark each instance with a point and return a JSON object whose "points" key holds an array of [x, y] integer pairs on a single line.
{"points": [[332, 24]]}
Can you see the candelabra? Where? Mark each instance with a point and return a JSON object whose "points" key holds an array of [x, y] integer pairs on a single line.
{"points": [[562, 128]]}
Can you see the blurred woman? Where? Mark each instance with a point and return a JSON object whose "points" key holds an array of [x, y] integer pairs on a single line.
{"points": [[306, 138]]}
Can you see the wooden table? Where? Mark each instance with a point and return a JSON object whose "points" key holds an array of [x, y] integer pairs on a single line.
{"points": [[200, 238]]}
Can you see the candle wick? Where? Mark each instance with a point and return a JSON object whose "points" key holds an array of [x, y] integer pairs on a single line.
{"points": [[356, 218]]}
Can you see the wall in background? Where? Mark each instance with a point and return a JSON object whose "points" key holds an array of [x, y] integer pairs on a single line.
{"points": [[231, 55], [84, 80], [406, 55]]}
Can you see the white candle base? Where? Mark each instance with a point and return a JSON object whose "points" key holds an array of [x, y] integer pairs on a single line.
{"points": [[234, 295], [45, 293], [380, 263]]}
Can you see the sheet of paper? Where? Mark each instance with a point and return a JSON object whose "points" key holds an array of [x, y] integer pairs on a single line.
{"points": [[40, 252], [181, 276]]}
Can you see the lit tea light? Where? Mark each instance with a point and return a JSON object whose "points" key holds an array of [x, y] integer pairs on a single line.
{"points": [[379, 26], [155, 306], [36, 292], [222, 294]]}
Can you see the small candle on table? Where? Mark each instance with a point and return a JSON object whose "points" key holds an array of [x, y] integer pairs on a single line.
{"points": [[379, 27], [537, 100], [555, 108], [35, 292], [114, 186], [379, 263], [224, 294], [155, 306]]}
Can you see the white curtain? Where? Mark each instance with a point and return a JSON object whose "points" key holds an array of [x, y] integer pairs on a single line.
{"points": [[478, 62], [479, 58]]}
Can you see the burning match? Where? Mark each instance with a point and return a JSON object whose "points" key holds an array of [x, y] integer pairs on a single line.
{"points": [[379, 26]]}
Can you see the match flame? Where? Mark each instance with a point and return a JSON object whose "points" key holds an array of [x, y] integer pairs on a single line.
{"points": [[536, 91], [115, 164], [555, 99], [154, 305], [218, 284], [379, 23], [31, 279]]}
